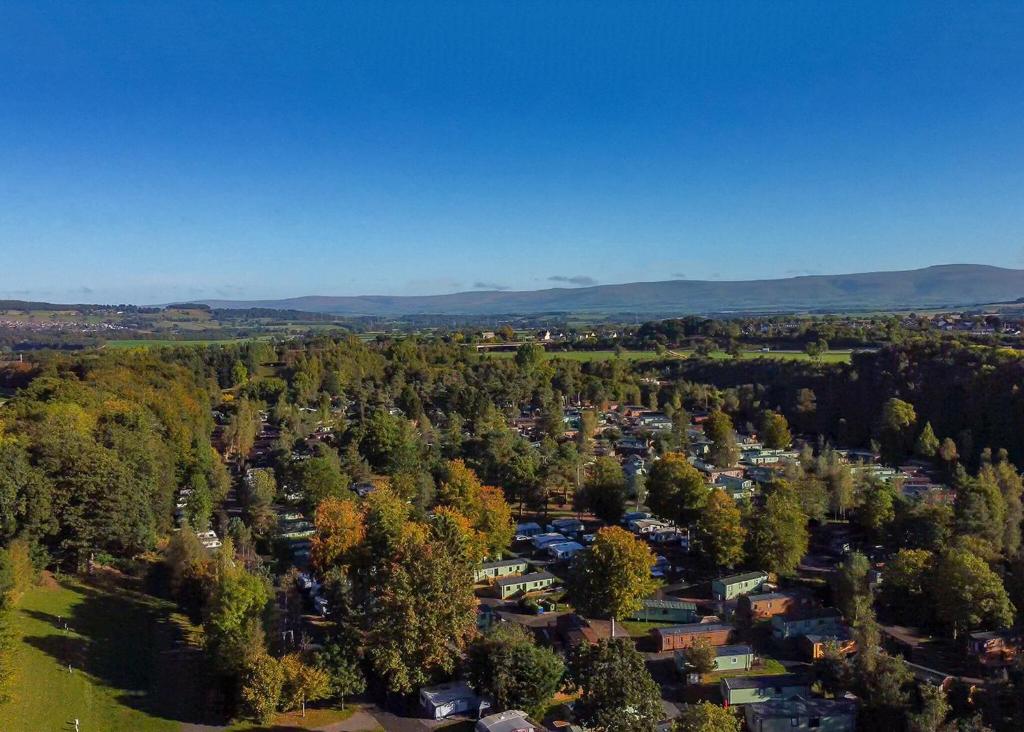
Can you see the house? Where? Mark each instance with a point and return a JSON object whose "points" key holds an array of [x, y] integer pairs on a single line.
{"points": [[816, 646], [512, 720], [808, 621], [445, 700], [727, 658], [561, 552], [756, 689], [633, 446], [504, 568], [993, 650], [785, 715], [573, 630], [764, 605], [566, 526], [677, 637], [737, 488], [729, 588], [509, 586], [666, 611]]}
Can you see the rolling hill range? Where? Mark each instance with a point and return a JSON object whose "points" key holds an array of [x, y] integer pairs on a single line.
{"points": [[939, 286]]}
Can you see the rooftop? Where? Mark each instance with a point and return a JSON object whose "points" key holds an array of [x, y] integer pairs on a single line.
{"points": [[763, 682], [690, 628], [533, 577], [745, 577], [798, 706], [503, 563]]}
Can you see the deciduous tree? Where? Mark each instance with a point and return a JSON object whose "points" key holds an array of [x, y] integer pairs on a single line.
{"points": [[675, 489], [720, 532], [617, 693], [507, 666], [613, 575]]}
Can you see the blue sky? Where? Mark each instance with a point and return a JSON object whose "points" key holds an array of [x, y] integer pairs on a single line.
{"points": [[164, 151]]}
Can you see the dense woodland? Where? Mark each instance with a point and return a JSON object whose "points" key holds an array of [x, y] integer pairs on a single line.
{"points": [[95, 447]]}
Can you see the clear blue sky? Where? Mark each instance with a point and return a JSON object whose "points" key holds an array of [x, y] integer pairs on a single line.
{"points": [[157, 151]]}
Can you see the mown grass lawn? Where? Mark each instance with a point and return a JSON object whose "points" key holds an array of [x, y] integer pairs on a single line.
{"points": [[112, 645], [642, 628], [134, 660]]}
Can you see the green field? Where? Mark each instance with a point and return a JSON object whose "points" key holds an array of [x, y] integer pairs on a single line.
{"points": [[114, 641], [164, 342], [830, 357], [135, 665]]}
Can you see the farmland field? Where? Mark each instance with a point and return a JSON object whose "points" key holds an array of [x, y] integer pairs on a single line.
{"points": [[829, 357], [164, 342]]}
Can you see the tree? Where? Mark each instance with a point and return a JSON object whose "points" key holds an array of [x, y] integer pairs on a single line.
{"points": [[604, 491], [340, 531], [883, 683], [675, 489], [320, 478], [585, 434], [779, 536], [775, 431], [262, 680], [422, 607], [199, 505], [877, 508], [948, 454], [967, 594], [896, 429], [927, 445], [720, 533], [344, 672], [494, 520], [1012, 487], [390, 443], [851, 590], [242, 428], [700, 656], [815, 349], [617, 693], [613, 575], [707, 717], [302, 682], [509, 667], [933, 708], [236, 606], [904, 591], [460, 488], [718, 428], [979, 508]]}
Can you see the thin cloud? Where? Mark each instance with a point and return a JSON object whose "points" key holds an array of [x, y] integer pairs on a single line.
{"points": [[679, 275], [489, 286], [579, 280]]}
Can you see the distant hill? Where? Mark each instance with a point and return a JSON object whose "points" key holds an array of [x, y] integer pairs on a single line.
{"points": [[939, 286]]}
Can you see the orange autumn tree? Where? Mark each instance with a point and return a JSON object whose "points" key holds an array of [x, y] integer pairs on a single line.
{"points": [[485, 506], [340, 529]]}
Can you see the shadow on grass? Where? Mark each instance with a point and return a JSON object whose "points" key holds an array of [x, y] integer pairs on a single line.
{"points": [[128, 642]]}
